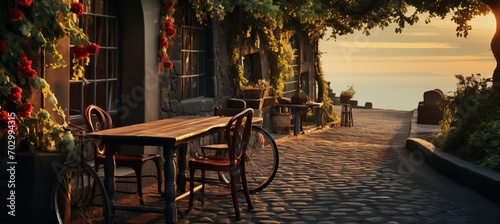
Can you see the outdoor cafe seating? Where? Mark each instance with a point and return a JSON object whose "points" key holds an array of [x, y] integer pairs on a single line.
{"points": [[103, 121], [237, 134]]}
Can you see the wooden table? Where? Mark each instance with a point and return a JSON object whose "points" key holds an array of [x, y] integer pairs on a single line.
{"points": [[316, 106], [296, 110], [170, 134]]}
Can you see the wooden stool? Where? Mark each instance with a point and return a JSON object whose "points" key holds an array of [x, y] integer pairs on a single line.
{"points": [[346, 119]]}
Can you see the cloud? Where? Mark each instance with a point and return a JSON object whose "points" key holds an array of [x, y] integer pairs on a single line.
{"points": [[400, 45]]}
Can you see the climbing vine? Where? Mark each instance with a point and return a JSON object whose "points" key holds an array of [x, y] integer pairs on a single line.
{"points": [[280, 56], [323, 89]]}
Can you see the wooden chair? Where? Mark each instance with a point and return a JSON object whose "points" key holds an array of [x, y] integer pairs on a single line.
{"points": [[220, 145], [135, 161], [237, 135]]}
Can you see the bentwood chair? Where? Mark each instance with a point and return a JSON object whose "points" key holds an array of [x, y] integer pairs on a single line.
{"points": [[98, 119], [237, 134], [219, 145]]}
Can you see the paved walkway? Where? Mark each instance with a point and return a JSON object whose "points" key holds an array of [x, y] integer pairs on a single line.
{"points": [[362, 174]]}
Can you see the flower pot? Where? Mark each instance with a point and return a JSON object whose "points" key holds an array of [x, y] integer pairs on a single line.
{"points": [[267, 92], [253, 93], [299, 98], [345, 99]]}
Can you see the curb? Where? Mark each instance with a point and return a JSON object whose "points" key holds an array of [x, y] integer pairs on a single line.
{"points": [[483, 181]]}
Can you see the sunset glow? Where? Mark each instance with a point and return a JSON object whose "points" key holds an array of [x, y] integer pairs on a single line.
{"points": [[421, 49]]}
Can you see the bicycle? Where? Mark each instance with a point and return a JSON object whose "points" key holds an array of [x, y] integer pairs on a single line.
{"points": [[262, 160], [78, 194]]}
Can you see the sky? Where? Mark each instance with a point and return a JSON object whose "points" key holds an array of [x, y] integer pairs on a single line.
{"points": [[423, 56]]}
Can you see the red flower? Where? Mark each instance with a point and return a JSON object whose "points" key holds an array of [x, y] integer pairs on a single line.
{"points": [[15, 93], [3, 45], [169, 23], [25, 3], [80, 52], [4, 115], [168, 64], [163, 55], [77, 8], [170, 31], [170, 3], [92, 48], [24, 67], [25, 110], [15, 15], [163, 41], [6, 123]]}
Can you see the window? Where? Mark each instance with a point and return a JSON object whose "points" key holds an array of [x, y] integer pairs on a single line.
{"points": [[192, 81], [100, 86], [252, 67]]}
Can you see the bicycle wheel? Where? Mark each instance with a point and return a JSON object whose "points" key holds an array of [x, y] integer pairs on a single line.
{"points": [[79, 196], [261, 162]]}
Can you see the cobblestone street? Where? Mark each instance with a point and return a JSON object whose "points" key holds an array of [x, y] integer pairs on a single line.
{"points": [[362, 174]]}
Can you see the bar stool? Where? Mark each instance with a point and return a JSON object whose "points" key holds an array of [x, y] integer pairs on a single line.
{"points": [[346, 119]]}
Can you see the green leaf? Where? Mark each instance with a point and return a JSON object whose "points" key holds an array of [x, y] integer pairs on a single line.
{"points": [[64, 8], [58, 31], [22, 132], [24, 30], [4, 79], [40, 38], [53, 99], [6, 91], [36, 83]]}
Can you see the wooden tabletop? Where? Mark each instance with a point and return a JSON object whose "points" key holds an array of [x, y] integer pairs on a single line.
{"points": [[293, 105], [314, 104], [176, 129]]}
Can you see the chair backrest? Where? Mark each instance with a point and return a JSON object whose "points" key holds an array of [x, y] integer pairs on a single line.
{"points": [[238, 131], [102, 121], [226, 112]]}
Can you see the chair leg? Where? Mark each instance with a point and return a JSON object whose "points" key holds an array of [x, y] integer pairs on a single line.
{"points": [[138, 175], [245, 188], [203, 187], [234, 194], [160, 175], [191, 190]]}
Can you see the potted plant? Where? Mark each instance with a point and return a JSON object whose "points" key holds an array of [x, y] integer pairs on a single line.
{"points": [[258, 90], [346, 95], [300, 97]]}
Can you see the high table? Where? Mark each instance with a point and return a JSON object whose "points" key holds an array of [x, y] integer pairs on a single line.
{"points": [[297, 109], [169, 134]]}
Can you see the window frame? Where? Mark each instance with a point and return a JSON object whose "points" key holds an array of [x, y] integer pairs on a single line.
{"points": [[106, 59], [194, 48]]}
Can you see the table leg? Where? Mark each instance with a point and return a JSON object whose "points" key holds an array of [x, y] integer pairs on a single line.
{"points": [[169, 175], [296, 119], [181, 166], [109, 175]]}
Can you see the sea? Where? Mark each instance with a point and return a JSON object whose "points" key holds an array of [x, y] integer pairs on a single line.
{"points": [[396, 91]]}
